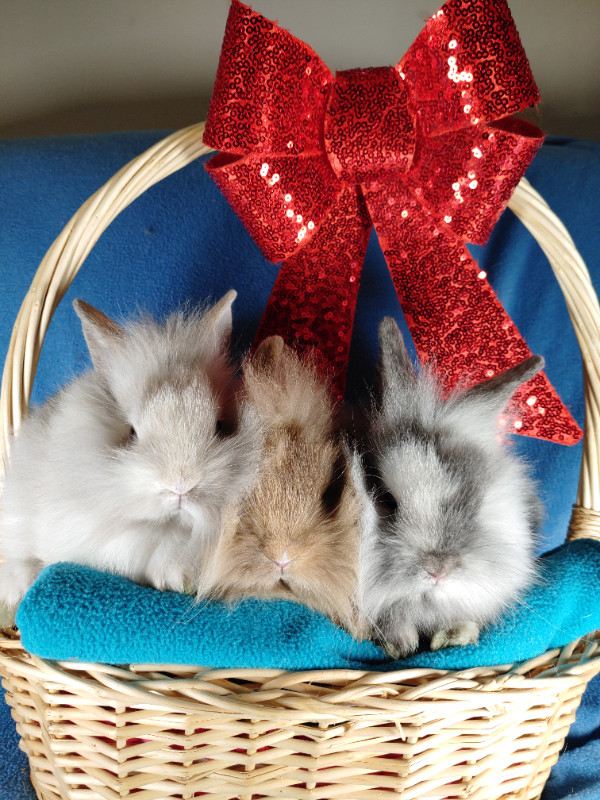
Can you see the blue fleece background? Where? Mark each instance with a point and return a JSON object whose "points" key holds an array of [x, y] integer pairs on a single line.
{"points": [[180, 241]]}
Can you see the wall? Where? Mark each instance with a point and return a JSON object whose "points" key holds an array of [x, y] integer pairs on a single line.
{"points": [[70, 66]]}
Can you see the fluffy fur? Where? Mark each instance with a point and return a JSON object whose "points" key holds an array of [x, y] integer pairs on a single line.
{"points": [[296, 535], [449, 541], [128, 469]]}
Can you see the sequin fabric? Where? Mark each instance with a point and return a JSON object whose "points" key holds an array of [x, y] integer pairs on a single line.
{"points": [[314, 303], [426, 151], [468, 66]]}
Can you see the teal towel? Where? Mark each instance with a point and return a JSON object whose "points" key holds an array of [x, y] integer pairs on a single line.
{"points": [[73, 612]]}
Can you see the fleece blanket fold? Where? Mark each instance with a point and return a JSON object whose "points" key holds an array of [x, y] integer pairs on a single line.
{"points": [[74, 612]]}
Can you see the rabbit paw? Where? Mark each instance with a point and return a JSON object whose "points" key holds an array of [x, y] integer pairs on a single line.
{"points": [[170, 582], [15, 578], [7, 616], [167, 578], [404, 642], [460, 635]]}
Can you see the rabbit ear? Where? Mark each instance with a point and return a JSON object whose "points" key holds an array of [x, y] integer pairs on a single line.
{"points": [[395, 371], [268, 353], [219, 320], [495, 392], [102, 335]]}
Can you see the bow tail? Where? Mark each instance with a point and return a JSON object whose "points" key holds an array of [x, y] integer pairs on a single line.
{"points": [[314, 297], [454, 315]]}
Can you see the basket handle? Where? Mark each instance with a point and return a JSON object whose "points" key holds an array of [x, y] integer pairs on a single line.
{"points": [[69, 251], [582, 304]]}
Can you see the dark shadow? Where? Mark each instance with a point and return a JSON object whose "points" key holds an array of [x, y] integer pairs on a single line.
{"points": [[111, 115], [108, 115], [556, 121]]}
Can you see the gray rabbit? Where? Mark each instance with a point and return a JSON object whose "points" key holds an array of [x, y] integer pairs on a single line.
{"points": [[448, 535]]}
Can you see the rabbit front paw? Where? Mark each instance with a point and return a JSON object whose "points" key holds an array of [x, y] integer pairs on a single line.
{"points": [[15, 579], [459, 636], [402, 642]]}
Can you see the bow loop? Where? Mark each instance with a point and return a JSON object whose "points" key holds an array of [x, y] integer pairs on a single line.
{"points": [[467, 66], [274, 104], [465, 178], [282, 201]]}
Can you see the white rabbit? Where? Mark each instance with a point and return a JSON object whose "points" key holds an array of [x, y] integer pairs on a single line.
{"points": [[129, 468]]}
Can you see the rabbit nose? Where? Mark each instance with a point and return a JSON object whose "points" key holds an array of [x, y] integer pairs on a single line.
{"points": [[178, 495], [436, 576], [283, 562], [180, 488], [181, 485], [437, 565]]}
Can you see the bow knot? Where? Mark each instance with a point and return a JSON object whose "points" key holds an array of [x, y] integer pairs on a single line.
{"points": [[369, 125]]}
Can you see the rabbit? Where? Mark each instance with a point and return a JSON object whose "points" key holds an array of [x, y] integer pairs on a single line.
{"points": [[129, 468], [450, 538], [295, 536]]}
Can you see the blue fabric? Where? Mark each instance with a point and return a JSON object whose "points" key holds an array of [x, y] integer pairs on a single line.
{"points": [[576, 775], [63, 616], [181, 241], [14, 767]]}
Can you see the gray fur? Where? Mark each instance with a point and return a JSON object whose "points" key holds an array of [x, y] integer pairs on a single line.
{"points": [[448, 499]]}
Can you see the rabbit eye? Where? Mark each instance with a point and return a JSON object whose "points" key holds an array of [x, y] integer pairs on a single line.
{"points": [[388, 502], [220, 428], [224, 428], [132, 435], [331, 497]]}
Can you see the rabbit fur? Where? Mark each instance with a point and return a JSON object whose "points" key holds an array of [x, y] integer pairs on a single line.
{"points": [[129, 468], [296, 535], [449, 539]]}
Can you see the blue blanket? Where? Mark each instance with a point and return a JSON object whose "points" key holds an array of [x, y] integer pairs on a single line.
{"points": [[180, 241], [64, 616]]}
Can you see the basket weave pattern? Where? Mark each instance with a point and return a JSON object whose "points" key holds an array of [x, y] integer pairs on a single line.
{"points": [[161, 731], [171, 732]]}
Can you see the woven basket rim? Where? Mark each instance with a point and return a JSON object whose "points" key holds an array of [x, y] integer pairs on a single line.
{"points": [[279, 694]]}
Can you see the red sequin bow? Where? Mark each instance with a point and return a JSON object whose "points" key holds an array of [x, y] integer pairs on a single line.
{"points": [[424, 151]]}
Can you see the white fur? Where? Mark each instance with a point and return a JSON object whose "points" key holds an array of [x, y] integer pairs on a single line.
{"points": [[81, 489]]}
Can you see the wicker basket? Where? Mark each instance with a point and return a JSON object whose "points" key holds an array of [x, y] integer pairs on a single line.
{"points": [[162, 731]]}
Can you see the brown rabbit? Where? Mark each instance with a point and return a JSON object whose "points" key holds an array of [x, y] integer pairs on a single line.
{"points": [[296, 535]]}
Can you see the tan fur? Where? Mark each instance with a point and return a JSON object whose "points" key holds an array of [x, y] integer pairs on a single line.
{"points": [[285, 513]]}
